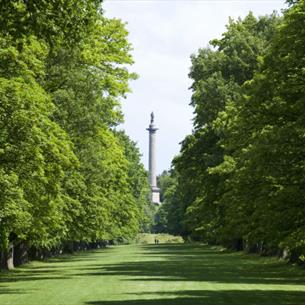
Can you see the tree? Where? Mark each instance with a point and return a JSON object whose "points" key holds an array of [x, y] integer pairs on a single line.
{"points": [[244, 164], [66, 175], [218, 76], [137, 178], [35, 151], [268, 180]]}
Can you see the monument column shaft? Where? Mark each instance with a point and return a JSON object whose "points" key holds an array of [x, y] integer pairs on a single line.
{"points": [[152, 158], [155, 191]]}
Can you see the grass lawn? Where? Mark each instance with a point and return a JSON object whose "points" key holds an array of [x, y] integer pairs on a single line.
{"points": [[164, 274], [163, 238]]}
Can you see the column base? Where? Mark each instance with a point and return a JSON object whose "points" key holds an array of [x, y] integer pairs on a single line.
{"points": [[155, 195]]}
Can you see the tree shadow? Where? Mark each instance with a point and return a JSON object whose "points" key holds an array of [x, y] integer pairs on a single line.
{"points": [[30, 277], [31, 273], [177, 263], [5, 289], [51, 269], [216, 297], [185, 263]]}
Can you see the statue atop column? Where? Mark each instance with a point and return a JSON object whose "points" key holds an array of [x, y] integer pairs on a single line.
{"points": [[152, 117]]}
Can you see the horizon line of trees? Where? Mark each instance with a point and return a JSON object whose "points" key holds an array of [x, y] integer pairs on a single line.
{"points": [[239, 179], [67, 176]]}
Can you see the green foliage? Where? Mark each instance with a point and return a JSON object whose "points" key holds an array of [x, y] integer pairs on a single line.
{"points": [[55, 22], [169, 216], [270, 152], [241, 173], [65, 174], [218, 75], [35, 151]]}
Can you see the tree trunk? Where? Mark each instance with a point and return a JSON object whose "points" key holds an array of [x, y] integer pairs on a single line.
{"points": [[10, 257], [7, 258]]}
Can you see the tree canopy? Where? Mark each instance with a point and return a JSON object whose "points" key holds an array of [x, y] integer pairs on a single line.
{"points": [[240, 174], [66, 174]]}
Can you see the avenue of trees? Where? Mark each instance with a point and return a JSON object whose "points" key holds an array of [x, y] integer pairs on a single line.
{"points": [[239, 179], [66, 175]]}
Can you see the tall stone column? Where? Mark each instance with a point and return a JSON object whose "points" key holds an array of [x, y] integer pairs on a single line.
{"points": [[155, 191]]}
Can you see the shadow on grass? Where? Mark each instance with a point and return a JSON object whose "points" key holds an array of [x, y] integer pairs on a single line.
{"points": [[217, 297], [5, 290], [176, 263], [201, 263], [30, 277], [51, 269]]}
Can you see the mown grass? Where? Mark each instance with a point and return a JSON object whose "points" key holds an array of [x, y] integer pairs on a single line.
{"points": [[161, 238], [164, 274]]}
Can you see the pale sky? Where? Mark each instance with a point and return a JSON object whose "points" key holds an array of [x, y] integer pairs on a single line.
{"points": [[164, 33]]}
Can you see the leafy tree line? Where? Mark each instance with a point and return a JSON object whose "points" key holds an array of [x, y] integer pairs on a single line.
{"points": [[66, 175], [239, 178]]}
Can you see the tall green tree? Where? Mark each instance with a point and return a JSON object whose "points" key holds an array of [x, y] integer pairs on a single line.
{"points": [[267, 133], [35, 151], [137, 180], [218, 76], [241, 173], [86, 82], [66, 176]]}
